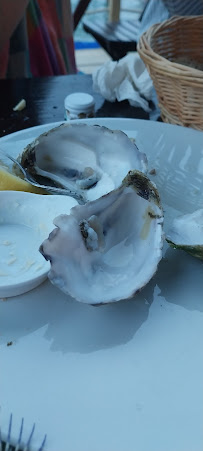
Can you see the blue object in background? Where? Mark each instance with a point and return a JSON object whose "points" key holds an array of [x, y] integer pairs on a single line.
{"points": [[79, 45]]}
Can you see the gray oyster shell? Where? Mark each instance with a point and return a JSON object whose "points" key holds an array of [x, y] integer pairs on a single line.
{"points": [[108, 249], [86, 159]]}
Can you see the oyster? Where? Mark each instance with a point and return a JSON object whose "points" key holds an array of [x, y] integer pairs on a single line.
{"points": [[108, 249], [186, 233], [86, 159]]}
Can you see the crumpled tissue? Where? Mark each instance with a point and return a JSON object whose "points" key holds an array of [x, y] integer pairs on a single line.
{"points": [[126, 79]]}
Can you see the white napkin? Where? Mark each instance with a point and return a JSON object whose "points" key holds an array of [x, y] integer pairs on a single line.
{"points": [[127, 78]]}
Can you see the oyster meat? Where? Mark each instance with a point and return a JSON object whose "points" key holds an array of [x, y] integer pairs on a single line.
{"points": [[86, 159], [108, 249], [186, 233]]}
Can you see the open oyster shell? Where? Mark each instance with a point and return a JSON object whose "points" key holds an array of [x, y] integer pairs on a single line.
{"points": [[89, 160], [108, 249], [186, 233]]}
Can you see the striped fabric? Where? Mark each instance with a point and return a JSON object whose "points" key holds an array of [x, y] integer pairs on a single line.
{"points": [[158, 10], [184, 7], [42, 44]]}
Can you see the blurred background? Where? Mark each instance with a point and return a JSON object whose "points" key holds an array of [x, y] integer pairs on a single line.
{"points": [[89, 55]]}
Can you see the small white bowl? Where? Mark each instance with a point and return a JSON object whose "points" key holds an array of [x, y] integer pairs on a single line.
{"points": [[26, 219]]}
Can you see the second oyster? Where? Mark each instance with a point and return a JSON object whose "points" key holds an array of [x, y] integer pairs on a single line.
{"points": [[108, 249]]}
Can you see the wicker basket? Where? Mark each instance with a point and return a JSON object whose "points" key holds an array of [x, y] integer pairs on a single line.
{"points": [[166, 48]]}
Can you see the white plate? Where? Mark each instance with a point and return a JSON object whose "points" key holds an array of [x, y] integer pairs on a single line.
{"points": [[25, 221], [122, 377]]}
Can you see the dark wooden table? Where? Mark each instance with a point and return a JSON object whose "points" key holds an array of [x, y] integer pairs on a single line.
{"points": [[45, 101]]}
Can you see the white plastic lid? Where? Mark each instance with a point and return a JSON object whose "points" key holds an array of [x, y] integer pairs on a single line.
{"points": [[79, 102]]}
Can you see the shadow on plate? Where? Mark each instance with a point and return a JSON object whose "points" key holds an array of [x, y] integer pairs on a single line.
{"points": [[72, 326]]}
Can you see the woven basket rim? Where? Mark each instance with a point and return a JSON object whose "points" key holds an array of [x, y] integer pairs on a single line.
{"points": [[176, 69], [174, 72]]}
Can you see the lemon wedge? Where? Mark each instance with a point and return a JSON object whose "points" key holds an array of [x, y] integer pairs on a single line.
{"points": [[10, 181]]}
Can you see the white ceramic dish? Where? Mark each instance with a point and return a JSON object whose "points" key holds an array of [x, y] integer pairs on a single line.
{"points": [[25, 221], [122, 377]]}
